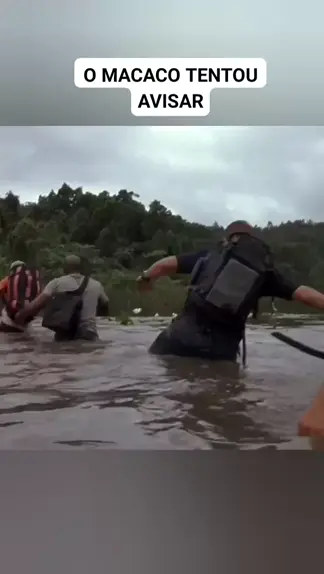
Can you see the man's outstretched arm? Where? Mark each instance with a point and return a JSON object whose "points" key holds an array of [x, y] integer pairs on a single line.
{"points": [[168, 266], [33, 308], [162, 268], [309, 296]]}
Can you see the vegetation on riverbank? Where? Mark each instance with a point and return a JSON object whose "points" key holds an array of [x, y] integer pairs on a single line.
{"points": [[117, 237]]}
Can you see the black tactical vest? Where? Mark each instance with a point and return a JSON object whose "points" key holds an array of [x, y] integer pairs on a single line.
{"points": [[226, 285]]}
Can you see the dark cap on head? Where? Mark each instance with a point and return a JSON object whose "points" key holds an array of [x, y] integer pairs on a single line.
{"points": [[237, 227], [72, 263]]}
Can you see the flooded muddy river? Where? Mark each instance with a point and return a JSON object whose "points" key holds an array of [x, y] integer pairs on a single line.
{"points": [[115, 395]]}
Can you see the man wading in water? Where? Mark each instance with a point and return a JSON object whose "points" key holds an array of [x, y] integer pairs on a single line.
{"points": [[18, 289], [225, 288], [71, 304]]}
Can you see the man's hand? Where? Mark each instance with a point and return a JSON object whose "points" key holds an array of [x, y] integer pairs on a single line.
{"points": [[144, 283], [162, 268], [31, 309], [20, 317]]}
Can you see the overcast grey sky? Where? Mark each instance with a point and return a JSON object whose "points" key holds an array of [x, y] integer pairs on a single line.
{"points": [[40, 39], [203, 173]]}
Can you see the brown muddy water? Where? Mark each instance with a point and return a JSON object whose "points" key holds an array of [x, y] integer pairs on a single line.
{"points": [[114, 395]]}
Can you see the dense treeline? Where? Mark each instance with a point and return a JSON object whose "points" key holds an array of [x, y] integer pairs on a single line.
{"points": [[116, 235]]}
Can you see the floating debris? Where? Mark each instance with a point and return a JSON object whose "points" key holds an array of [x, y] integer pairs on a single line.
{"points": [[137, 311]]}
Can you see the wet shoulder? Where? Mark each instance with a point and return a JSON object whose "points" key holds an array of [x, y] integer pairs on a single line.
{"points": [[64, 283], [94, 286], [72, 282]]}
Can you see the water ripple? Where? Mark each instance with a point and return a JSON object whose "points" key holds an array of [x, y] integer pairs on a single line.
{"points": [[115, 395]]}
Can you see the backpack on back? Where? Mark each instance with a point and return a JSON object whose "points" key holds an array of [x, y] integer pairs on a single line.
{"points": [[63, 312], [23, 286], [227, 284], [225, 287]]}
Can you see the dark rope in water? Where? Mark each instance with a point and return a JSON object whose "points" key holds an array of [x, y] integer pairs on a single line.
{"points": [[297, 345]]}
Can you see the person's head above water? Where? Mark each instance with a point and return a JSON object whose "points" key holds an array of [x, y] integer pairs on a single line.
{"points": [[16, 264], [237, 227], [72, 264]]}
